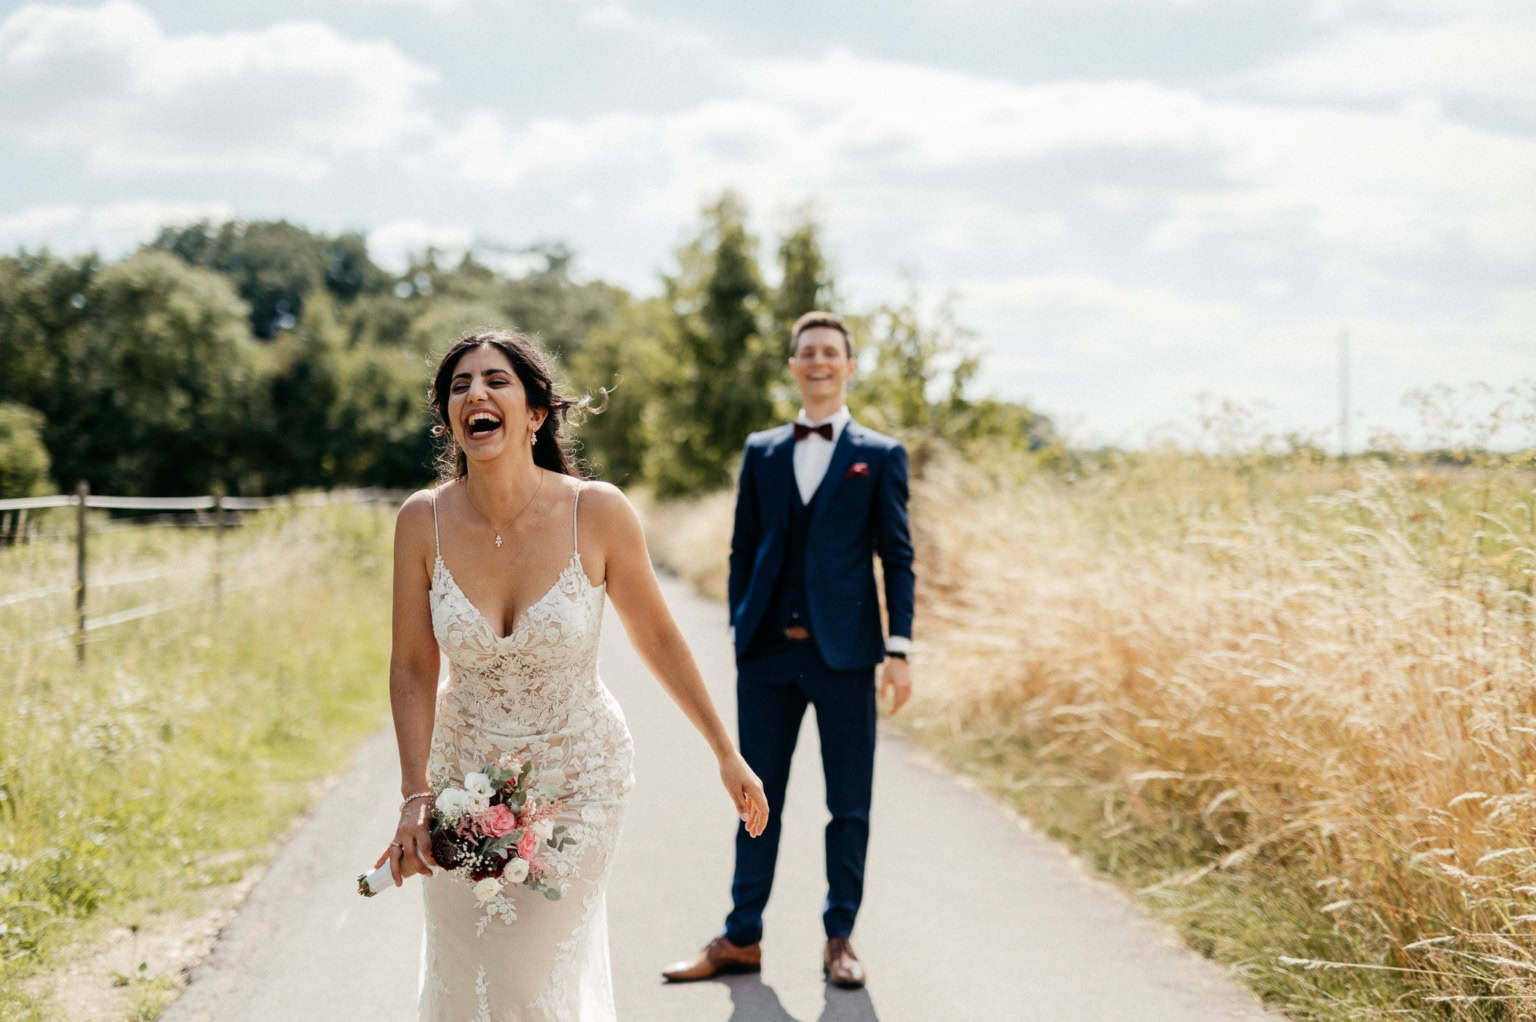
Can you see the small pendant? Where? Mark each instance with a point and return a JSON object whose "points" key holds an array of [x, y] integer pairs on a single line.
{"points": [[498, 540]]}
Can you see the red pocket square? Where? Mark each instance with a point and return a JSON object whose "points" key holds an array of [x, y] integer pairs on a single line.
{"points": [[857, 469]]}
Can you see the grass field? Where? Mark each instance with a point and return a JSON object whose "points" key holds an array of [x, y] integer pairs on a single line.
{"points": [[138, 786], [1290, 703]]}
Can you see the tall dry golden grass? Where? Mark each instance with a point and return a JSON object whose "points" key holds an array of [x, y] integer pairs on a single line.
{"points": [[1289, 703]]}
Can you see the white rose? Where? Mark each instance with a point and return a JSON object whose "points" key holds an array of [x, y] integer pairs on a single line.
{"points": [[544, 828], [478, 803], [487, 889], [452, 802], [516, 870], [479, 785]]}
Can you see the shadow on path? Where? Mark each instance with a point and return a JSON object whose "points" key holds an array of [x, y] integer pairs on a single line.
{"points": [[752, 1000]]}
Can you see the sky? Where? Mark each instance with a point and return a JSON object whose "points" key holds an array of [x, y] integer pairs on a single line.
{"points": [[1140, 207]]}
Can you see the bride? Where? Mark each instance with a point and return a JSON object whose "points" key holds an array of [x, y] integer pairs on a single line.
{"points": [[503, 567]]}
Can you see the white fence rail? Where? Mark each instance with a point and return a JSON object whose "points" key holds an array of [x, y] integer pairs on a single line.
{"points": [[15, 528]]}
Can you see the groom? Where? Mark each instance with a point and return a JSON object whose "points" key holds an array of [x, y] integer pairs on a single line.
{"points": [[816, 499]]}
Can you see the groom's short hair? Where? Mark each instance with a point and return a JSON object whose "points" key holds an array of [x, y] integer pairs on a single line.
{"points": [[817, 318]]}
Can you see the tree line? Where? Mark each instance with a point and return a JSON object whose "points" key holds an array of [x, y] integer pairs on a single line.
{"points": [[261, 357]]}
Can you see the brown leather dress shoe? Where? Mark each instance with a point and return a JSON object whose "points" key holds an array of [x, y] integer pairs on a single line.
{"points": [[841, 965], [721, 956]]}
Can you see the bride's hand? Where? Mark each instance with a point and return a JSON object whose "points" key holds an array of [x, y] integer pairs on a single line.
{"points": [[746, 791], [411, 850]]}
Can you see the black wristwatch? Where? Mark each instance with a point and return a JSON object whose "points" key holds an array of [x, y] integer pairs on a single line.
{"points": [[895, 653]]}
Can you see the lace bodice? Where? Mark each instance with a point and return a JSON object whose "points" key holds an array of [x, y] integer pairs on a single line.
{"points": [[534, 693]]}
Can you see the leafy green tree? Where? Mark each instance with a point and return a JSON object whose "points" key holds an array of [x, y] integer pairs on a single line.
{"points": [[305, 388], [629, 356], [23, 458], [42, 305], [560, 312], [805, 283], [162, 387], [914, 377], [276, 265], [345, 414], [721, 387], [383, 425], [805, 279]]}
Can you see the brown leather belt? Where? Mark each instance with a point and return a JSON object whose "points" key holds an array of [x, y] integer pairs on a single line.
{"points": [[797, 632]]}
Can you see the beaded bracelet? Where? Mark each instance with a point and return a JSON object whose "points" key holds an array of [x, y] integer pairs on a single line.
{"points": [[411, 798]]}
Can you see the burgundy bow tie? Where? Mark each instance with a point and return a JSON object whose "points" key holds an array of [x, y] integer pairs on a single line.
{"points": [[802, 430]]}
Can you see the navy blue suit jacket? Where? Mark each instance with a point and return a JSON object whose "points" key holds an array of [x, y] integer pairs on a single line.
{"points": [[857, 513]]}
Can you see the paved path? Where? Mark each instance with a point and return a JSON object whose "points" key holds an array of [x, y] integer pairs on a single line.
{"points": [[1016, 931]]}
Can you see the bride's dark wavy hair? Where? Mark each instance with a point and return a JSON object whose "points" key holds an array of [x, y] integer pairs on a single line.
{"points": [[554, 450]]}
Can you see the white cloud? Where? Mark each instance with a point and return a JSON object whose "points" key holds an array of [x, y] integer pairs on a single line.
{"points": [[37, 225], [111, 228], [1352, 188], [285, 100], [1465, 52], [432, 6], [1113, 362], [959, 162], [1282, 223], [483, 150], [669, 33], [396, 245]]}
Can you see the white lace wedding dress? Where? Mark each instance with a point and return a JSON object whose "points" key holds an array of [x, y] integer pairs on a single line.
{"points": [[533, 694]]}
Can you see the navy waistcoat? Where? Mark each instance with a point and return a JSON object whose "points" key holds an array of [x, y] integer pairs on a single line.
{"points": [[787, 607]]}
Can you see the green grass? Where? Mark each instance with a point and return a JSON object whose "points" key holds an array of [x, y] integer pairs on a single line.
{"points": [[161, 771]]}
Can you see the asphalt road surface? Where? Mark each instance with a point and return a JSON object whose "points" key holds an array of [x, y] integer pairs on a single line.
{"points": [[1016, 931]]}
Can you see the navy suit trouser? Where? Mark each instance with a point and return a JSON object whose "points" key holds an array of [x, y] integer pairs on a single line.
{"points": [[772, 693]]}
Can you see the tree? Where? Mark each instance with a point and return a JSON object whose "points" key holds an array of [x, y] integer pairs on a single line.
{"points": [[805, 280], [42, 304], [275, 265], [913, 379], [720, 389], [163, 389], [805, 284], [23, 458], [383, 423], [628, 355]]}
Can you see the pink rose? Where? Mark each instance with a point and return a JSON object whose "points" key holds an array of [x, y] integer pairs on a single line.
{"points": [[496, 821], [526, 846]]}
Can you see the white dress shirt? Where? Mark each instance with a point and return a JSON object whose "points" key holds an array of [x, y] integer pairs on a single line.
{"points": [[812, 456], [814, 453]]}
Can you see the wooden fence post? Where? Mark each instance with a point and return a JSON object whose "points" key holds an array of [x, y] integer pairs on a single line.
{"points": [[218, 547], [82, 490]]}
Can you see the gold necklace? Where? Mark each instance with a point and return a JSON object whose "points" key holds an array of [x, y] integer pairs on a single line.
{"points": [[511, 520]]}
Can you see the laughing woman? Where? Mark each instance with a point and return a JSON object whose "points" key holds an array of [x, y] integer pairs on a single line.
{"points": [[504, 568]]}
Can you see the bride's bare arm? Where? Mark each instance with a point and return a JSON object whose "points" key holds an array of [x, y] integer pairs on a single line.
{"points": [[636, 595], [413, 667]]}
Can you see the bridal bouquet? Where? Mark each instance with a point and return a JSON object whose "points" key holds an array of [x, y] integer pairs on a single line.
{"points": [[491, 832]]}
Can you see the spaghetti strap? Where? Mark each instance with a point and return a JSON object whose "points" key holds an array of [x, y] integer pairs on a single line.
{"points": [[437, 543], [575, 504]]}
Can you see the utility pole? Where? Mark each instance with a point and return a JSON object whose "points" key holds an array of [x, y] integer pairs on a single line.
{"points": [[1343, 393]]}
